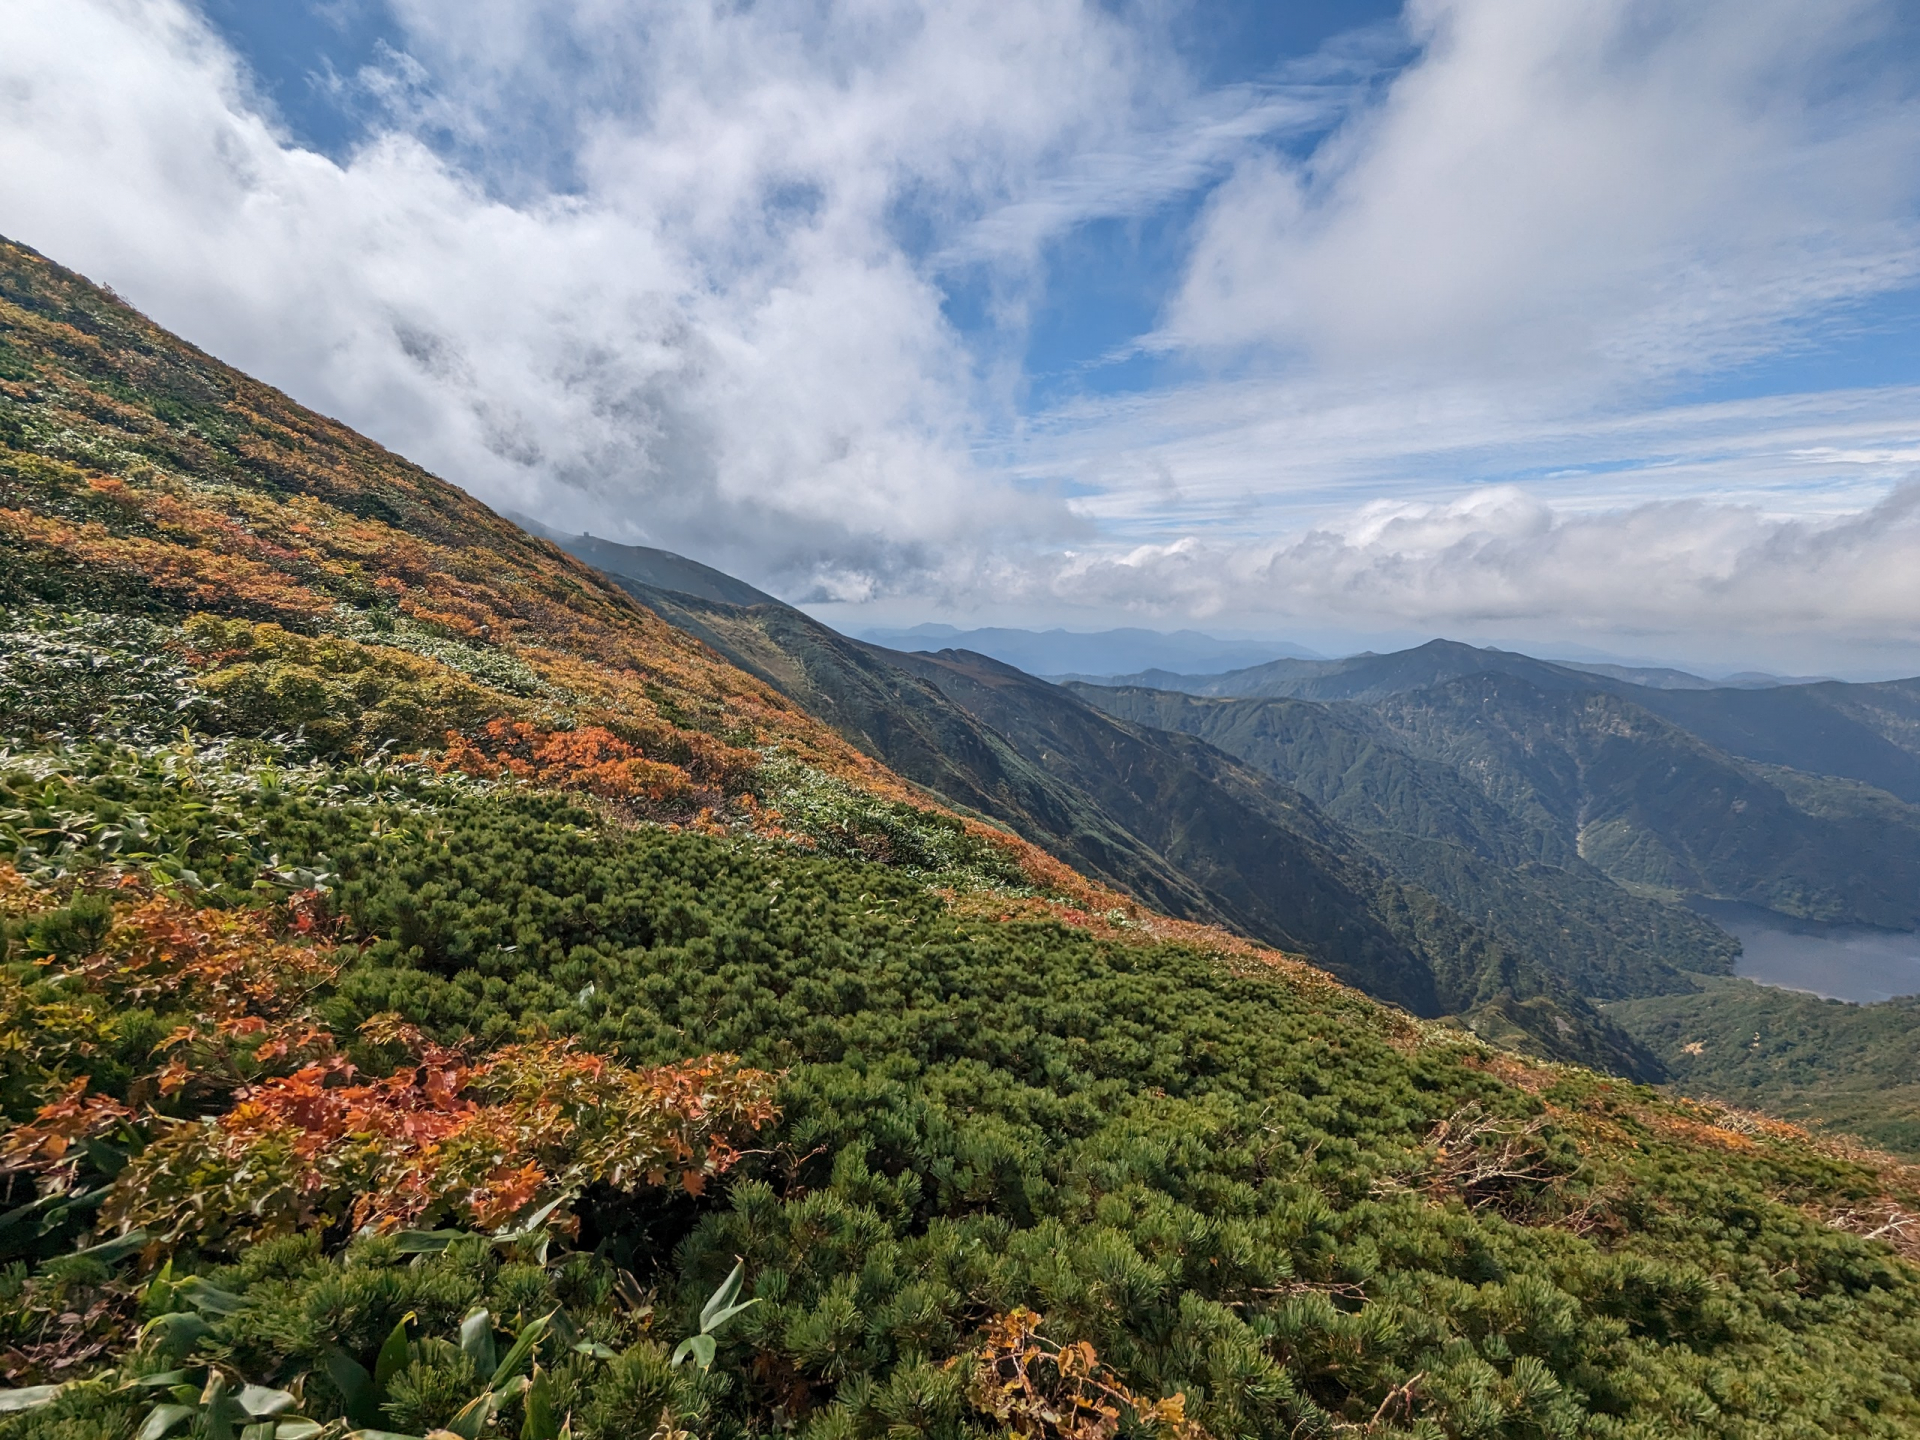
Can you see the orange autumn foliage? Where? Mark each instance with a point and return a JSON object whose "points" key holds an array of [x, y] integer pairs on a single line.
{"points": [[594, 759], [475, 1142]]}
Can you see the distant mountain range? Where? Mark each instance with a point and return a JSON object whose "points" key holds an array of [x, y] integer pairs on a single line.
{"points": [[1055, 653]]}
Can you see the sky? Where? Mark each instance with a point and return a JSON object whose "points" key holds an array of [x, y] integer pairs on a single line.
{"points": [[1589, 327]]}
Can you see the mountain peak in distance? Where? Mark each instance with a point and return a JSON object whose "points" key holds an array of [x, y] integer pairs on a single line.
{"points": [[1068, 653]]}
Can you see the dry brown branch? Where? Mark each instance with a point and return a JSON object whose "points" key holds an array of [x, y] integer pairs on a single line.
{"points": [[1043, 1391], [1484, 1158], [1883, 1221]]}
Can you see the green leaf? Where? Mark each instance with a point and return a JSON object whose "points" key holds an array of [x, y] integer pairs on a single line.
{"points": [[209, 1298], [473, 1416], [221, 1414], [425, 1242], [178, 1332], [29, 1397], [476, 1339], [355, 1384], [523, 1344], [109, 1160], [540, 1422], [297, 1429], [158, 1295], [128, 1244], [263, 1404], [531, 1225], [151, 1382], [700, 1347], [595, 1349], [163, 1419], [721, 1318], [393, 1357], [511, 1391], [722, 1298]]}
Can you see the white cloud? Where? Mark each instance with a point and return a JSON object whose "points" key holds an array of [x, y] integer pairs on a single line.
{"points": [[1595, 192], [1684, 576], [673, 271], [711, 337]]}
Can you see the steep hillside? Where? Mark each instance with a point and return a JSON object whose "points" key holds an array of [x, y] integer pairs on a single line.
{"points": [[1865, 732], [441, 999], [1853, 1068], [1174, 823], [901, 719], [1650, 804], [1424, 821], [1869, 733]]}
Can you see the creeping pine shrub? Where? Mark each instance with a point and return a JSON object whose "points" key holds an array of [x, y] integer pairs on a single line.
{"points": [[1260, 1198], [839, 820]]}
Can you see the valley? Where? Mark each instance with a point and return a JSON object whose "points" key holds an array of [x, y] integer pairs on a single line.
{"points": [[1526, 847]]}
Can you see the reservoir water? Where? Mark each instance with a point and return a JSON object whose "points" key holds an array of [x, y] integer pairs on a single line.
{"points": [[1839, 962]]}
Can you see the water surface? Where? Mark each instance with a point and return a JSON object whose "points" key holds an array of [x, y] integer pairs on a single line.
{"points": [[1837, 962]]}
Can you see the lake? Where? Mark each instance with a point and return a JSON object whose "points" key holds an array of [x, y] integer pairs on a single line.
{"points": [[1837, 962]]}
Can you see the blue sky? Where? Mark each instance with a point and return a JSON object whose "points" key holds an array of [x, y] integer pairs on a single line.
{"points": [[1587, 324], [1102, 283]]}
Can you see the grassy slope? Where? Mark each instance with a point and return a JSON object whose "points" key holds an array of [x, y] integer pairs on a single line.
{"points": [[1244, 1184], [1854, 1068], [1171, 821]]}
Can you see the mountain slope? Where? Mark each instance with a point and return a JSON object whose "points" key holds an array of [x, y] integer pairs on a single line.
{"points": [[1177, 824], [1360, 677], [1428, 824], [416, 1010], [1852, 1068], [1650, 804], [1864, 732], [1869, 733], [902, 720]]}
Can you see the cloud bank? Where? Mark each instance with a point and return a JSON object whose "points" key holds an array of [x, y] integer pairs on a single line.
{"points": [[683, 274]]}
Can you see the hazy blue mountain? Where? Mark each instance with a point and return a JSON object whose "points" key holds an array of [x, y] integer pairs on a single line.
{"points": [[1660, 677], [1654, 677], [1362, 677], [1105, 652]]}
